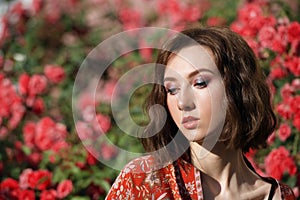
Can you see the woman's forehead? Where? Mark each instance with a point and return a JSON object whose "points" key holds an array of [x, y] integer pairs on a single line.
{"points": [[191, 58]]}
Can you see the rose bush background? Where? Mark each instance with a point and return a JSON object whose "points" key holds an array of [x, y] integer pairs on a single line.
{"points": [[43, 43]]}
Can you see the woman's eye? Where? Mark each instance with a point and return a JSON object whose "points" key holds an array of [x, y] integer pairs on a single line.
{"points": [[200, 83], [172, 91]]}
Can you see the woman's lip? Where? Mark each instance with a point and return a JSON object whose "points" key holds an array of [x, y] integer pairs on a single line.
{"points": [[190, 122]]}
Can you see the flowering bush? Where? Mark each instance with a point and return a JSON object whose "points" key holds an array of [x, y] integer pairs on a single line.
{"points": [[43, 43], [275, 39]]}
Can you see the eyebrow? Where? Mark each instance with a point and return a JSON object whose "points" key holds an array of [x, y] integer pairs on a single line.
{"points": [[190, 74]]}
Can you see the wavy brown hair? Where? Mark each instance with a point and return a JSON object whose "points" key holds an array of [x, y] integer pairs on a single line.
{"points": [[249, 117]]}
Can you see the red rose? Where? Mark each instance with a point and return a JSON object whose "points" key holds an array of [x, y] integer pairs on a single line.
{"points": [[23, 83], [103, 121], [29, 134], [293, 32], [287, 92], [23, 179], [108, 151], [40, 179], [295, 104], [50, 135], [284, 110], [64, 188], [38, 106], [17, 112], [215, 21], [91, 160], [54, 73], [52, 11], [296, 121], [48, 195], [84, 131], [35, 158], [109, 90], [296, 84], [266, 35], [130, 18], [26, 194], [9, 184], [278, 45], [37, 84], [278, 162], [277, 73], [293, 64], [284, 132]]}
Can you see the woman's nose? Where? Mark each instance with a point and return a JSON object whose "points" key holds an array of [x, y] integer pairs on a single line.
{"points": [[185, 101]]}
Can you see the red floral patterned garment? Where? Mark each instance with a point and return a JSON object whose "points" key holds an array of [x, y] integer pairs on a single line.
{"points": [[138, 181]]}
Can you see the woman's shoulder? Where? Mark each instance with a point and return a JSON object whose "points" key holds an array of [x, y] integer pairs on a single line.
{"points": [[144, 165], [143, 177]]}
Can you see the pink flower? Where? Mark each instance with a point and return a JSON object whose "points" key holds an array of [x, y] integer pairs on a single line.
{"points": [[24, 177], [9, 184], [40, 179], [23, 83], [53, 11], [293, 31], [278, 45], [48, 195], [38, 106], [277, 73], [37, 84], [29, 134], [109, 90], [278, 162], [86, 100], [90, 159], [192, 13], [215, 21], [11, 107], [293, 64], [50, 135], [130, 18], [35, 158], [266, 36], [145, 51], [284, 132], [108, 151], [287, 92], [84, 131], [295, 104], [54, 73], [296, 121], [284, 110], [296, 84], [4, 30], [64, 188], [102, 123], [26, 194]]}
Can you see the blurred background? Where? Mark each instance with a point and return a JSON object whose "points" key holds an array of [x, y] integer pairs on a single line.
{"points": [[42, 46]]}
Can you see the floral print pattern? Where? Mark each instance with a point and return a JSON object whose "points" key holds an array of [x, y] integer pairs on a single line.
{"points": [[138, 181]]}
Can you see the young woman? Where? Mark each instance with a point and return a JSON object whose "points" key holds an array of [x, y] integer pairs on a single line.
{"points": [[217, 108]]}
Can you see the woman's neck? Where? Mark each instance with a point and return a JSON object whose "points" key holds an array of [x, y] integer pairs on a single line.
{"points": [[219, 162], [224, 171]]}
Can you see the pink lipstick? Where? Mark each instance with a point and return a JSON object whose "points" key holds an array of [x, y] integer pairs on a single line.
{"points": [[190, 122]]}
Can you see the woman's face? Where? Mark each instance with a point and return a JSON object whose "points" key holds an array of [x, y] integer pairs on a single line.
{"points": [[196, 95]]}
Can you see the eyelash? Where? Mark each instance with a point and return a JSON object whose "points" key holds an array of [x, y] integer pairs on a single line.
{"points": [[172, 91], [199, 84]]}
